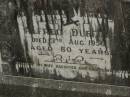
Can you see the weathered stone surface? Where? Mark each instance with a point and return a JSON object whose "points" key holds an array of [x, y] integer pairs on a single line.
{"points": [[38, 83]]}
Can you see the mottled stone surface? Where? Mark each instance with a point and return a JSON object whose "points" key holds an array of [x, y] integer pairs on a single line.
{"points": [[26, 85]]}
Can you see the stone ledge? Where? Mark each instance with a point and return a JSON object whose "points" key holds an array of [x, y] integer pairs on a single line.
{"points": [[103, 89]]}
